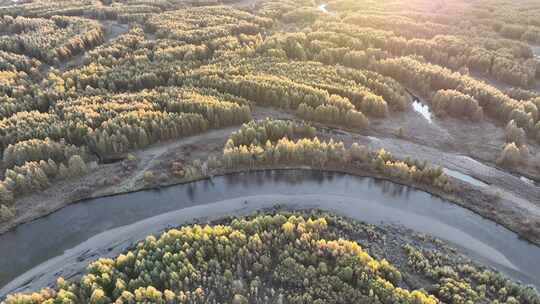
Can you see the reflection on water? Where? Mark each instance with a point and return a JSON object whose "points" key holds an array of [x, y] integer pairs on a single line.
{"points": [[536, 51], [422, 109], [374, 139], [322, 8], [529, 181], [373, 201], [390, 188]]}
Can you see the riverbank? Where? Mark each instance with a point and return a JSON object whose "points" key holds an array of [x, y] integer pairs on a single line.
{"points": [[493, 203], [480, 200], [72, 262], [507, 199]]}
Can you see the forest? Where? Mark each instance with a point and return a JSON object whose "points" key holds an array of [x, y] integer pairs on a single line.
{"points": [[101, 97], [170, 76], [277, 258]]}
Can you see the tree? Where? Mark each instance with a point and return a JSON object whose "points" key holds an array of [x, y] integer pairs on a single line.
{"points": [[514, 133], [356, 59], [456, 104], [63, 171], [239, 299], [510, 155], [374, 105], [6, 213], [149, 177], [358, 152], [356, 119], [6, 196], [99, 297], [77, 166]]}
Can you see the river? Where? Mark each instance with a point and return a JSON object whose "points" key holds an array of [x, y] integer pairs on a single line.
{"points": [[78, 229]]}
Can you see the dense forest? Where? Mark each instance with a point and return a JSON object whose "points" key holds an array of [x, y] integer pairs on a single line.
{"points": [[172, 75], [281, 142], [85, 83], [278, 258]]}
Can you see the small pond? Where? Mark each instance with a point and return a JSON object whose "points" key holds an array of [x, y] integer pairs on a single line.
{"points": [[322, 8], [423, 110]]}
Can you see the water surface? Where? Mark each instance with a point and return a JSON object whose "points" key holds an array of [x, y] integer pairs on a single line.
{"points": [[422, 109], [465, 177], [366, 199], [322, 8]]}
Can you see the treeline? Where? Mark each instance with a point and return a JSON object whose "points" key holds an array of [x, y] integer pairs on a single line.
{"points": [[15, 62], [33, 143], [132, 63], [406, 169], [427, 78], [35, 176], [412, 25], [50, 40], [513, 154], [456, 104], [219, 109], [19, 90], [275, 9], [120, 13], [311, 151], [20, 93], [406, 26], [510, 20], [331, 114], [302, 15], [30, 125], [464, 281], [499, 59], [126, 65], [316, 92], [519, 32], [135, 130], [420, 19], [521, 94], [119, 123], [38, 162], [264, 259], [219, 21], [38, 149], [32, 165], [283, 93], [515, 151], [137, 11], [259, 132], [372, 93]]}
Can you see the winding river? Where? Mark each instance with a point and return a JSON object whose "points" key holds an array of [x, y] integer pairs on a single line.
{"points": [[36, 252]]}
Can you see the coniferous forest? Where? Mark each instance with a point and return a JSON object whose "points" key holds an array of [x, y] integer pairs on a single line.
{"points": [[102, 97], [277, 258]]}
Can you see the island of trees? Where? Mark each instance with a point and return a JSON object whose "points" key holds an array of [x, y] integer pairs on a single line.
{"points": [[279, 258]]}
